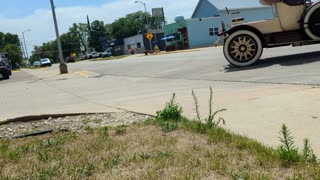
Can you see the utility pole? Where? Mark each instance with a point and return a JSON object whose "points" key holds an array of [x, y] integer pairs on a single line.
{"points": [[25, 45], [63, 66]]}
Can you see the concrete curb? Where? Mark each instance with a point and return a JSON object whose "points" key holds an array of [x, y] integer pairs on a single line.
{"points": [[47, 116]]}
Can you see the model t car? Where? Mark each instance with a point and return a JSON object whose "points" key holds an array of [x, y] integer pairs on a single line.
{"points": [[296, 23]]}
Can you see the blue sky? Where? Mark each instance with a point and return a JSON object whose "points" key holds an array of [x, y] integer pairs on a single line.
{"points": [[20, 8], [20, 15]]}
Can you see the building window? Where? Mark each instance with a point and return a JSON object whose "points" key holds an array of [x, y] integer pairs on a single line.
{"points": [[213, 31], [216, 31], [138, 45]]}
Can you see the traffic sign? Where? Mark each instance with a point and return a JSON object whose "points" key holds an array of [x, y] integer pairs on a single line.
{"points": [[149, 36]]}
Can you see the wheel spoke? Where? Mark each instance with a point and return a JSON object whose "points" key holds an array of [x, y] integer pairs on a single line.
{"points": [[243, 48]]}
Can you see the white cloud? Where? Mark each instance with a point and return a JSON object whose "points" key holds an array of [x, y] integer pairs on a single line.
{"points": [[41, 22]]}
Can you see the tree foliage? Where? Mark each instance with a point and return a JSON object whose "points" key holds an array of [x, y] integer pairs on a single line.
{"points": [[10, 44], [14, 53], [80, 35], [97, 33], [130, 25]]}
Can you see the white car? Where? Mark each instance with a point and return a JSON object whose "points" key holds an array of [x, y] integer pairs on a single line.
{"points": [[45, 62], [93, 55], [296, 23], [106, 53]]}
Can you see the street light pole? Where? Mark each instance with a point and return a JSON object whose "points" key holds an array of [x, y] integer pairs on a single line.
{"points": [[145, 14], [25, 46], [63, 66], [145, 11]]}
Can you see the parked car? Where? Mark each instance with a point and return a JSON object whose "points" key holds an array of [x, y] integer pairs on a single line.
{"points": [[83, 57], [106, 53], [296, 23], [93, 54], [15, 66], [36, 64], [69, 59], [45, 62], [5, 69]]}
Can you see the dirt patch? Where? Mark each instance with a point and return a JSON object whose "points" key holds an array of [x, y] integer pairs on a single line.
{"points": [[70, 123]]}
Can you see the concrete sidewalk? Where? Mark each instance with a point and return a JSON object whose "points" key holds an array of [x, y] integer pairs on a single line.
{"points": [[255, 110]]}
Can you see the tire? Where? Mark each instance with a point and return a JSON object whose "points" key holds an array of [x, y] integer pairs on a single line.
{"points": [[242, 48], [6, 75], [311, 22]]}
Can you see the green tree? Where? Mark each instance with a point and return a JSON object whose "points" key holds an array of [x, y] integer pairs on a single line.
{"points": [[10, 44], [14, 53], [130, 25], [80, 33], [97, 32], [70, 43]]}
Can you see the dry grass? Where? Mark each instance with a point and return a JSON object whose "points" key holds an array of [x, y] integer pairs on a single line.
{"points": [[109, 58], [144, 151]]}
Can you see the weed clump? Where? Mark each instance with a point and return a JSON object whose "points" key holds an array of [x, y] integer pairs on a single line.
{"points": [[289, 153], [172, 111], [211, 121], [169, 117]]}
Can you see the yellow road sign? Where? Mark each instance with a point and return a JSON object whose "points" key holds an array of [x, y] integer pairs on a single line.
{"points": [[149, 36]]}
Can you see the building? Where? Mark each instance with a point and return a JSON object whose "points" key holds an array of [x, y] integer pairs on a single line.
{"points": [[117, 46], [139, 43], [202, 28]]}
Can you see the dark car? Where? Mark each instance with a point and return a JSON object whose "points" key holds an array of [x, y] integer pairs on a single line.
{"points": [[69, 59], [5, 69], [45, 62]]}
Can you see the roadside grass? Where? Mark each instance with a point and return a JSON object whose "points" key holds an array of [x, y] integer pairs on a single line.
{"points": [[109, 58], [168, 146], [145, 151]]}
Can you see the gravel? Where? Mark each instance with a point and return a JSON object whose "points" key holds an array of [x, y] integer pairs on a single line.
{"points": [[71, 123]]}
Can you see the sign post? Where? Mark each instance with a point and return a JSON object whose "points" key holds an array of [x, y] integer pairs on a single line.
{"points": [[150, 36]]}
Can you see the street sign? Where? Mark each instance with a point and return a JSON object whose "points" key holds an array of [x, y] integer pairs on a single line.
{"points": [[149, 36], [158, 13]]}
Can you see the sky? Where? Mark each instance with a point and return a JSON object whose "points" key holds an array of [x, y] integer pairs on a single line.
{"points": [[17, 16]]}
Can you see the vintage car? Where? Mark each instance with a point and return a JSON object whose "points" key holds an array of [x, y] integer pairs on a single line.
{"points": [[296, 23]]}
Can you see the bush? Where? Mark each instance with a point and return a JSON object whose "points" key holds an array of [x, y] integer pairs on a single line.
{"points": [[287, 151], [172, 111]]}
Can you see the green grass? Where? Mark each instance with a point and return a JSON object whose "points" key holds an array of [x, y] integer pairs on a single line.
{"points": [[192, 150]]}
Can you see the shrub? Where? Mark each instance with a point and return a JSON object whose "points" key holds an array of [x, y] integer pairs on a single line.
{"points": [[172, 111], [308, 154], [287, 151]]}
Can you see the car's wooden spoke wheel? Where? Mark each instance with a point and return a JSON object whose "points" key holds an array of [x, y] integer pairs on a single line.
{"points": [[311, 22], [243, 48]]}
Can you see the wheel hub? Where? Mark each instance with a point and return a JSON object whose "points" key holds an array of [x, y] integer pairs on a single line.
{"points": [[242, 48]]}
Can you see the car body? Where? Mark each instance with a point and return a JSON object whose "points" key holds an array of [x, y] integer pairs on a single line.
{"points": [[45, 62], [93, 54], [69, 59], [5, 69], [36, 64], [106, 53], [296, 23]]}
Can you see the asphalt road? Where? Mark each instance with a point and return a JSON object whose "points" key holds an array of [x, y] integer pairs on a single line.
{"points": [[285, 65], [257, 108], [17, 76]]}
